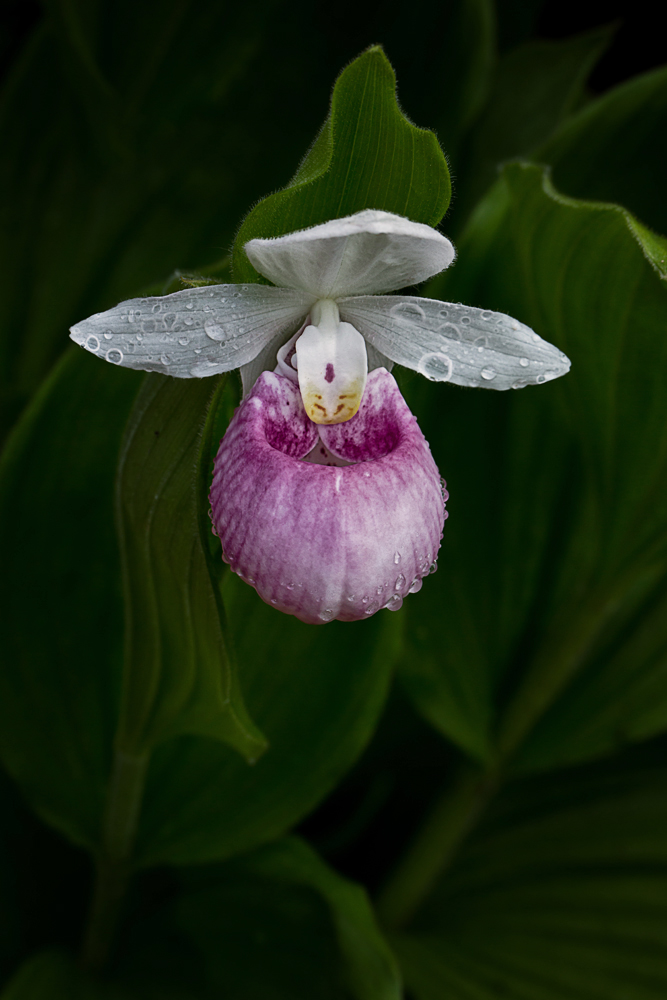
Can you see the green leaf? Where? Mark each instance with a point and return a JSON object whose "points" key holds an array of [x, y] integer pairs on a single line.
{"points": [[52, 975], [315, 691], [178, 674], [560, 894], [367, 155], [60, 591], [542, 639], [615, 149], [277, 924], [536, 87]]}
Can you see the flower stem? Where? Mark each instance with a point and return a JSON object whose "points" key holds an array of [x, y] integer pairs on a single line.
{"points": [[113, 865], [453, 815]]}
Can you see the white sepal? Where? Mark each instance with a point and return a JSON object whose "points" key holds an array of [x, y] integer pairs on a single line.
{"points": [[448, 342], [369, 252], [195, 332], [332, 366]]}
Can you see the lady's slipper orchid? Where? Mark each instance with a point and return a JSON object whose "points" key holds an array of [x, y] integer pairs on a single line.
{"points": [[325, 495]]}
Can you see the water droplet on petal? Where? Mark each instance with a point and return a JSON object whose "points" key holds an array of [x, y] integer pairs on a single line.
{"points": [[165, 359], [400, 580], [436, 367], [184, 341], [488, 373], [397, 557], [188, 305], [108, 334], [487, 315], [524, 362], [114, 356], [549, 375], [480, 343], [433, 568], [415, 586], [465, 319], [214, 330], [156, 308], [188, 321], [450, 331], [394, 602], [409, 312], [92, 343]]}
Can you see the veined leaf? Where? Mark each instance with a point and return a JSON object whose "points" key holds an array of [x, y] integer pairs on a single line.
{"points": [[178, 674], [368, 155], [561, 893], [543, 638], [316, 692], [61, 638], [276, 923], [615, 149], [536, 87]]}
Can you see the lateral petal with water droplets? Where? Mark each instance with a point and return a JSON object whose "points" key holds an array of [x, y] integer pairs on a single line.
{"points": [[448, 342], [195, 332]]}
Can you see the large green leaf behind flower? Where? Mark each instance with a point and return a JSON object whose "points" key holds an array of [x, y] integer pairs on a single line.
{"points": [[615, 149], [367, 155], [543, 638], [277, 924], [561, 893]]}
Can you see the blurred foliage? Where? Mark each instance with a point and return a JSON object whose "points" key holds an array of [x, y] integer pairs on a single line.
{"points": [[135, 139]]}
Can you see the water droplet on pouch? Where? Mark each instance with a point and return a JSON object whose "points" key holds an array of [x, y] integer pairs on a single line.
{"points": [[488, 373], [214, 330], [114, 356], [436, 367]]}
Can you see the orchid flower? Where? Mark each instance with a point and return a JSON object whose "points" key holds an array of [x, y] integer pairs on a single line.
{"points": [[325, 495]]}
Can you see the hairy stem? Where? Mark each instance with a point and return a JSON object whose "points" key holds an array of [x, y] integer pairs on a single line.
{"points": [[453, 815], [124, 795]]}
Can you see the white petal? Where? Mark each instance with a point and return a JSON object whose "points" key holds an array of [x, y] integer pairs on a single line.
{"points": [[448, 342], [196, 332], [331, 365], [371, 251]]}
